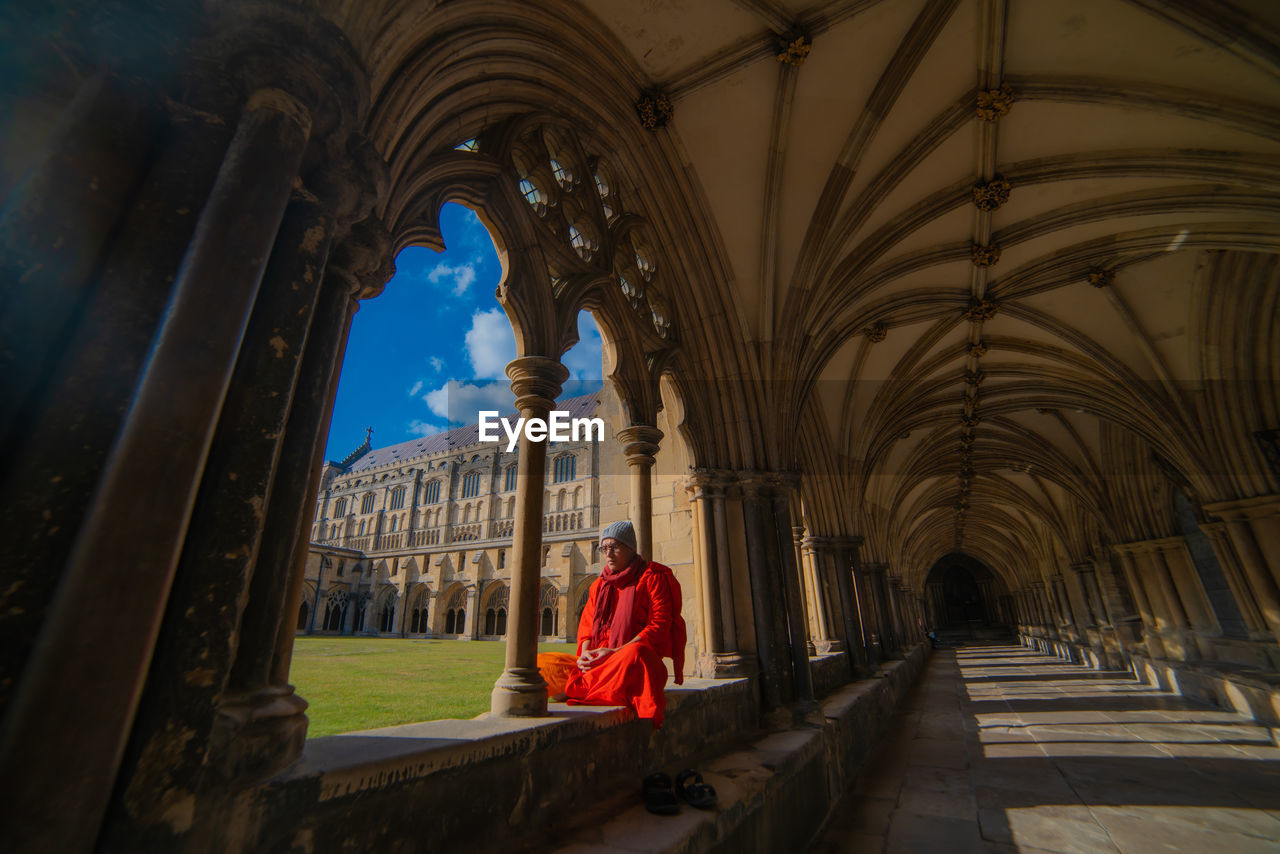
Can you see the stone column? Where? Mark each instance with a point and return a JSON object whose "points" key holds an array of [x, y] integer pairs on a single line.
{"points": [[815, 622], [797, 624], [1087, 575], [873, 611], [1255, 569], [1155, 647], [1163, 597], [730, 663], [1260, 609], [768, 603], [117, 577], [640, 444], [829, 604], [879, 591], [722, 657], [520, 690], [846, 567]]}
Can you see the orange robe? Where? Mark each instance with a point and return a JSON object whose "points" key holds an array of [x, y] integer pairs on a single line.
{"points": [[634, 675]]}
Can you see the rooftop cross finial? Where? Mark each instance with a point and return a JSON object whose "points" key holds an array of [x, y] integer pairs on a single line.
{"points": [[368, 435]]}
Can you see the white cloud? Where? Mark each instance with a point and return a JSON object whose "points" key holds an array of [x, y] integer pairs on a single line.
{"points": [[463, 276], [583, 358], [417, 387], [459, 402], [491, 344], [424, 428], [437, 364]]}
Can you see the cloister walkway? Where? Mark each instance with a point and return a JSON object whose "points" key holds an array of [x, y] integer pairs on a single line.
{"points": [[1003, 749]]}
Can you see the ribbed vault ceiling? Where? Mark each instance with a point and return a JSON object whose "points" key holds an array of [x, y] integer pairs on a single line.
{"points": [[1002, 254]]}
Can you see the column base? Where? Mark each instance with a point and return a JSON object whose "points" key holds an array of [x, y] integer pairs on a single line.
{"points": [[731, 665], [259, 734], [520, 692]]}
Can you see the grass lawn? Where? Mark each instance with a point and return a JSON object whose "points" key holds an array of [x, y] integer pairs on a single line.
{"points": [[355, 683]]}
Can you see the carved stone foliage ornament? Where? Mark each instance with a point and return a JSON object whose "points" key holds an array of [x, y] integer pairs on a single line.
{"points": [[654, 109], [1102, 278], [994, 104], [978, 350], [876, 332], [793, 48], [990, 195], [984, 256]]}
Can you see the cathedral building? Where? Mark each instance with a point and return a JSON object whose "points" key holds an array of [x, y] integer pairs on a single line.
{"points": [[414, 539], [917, 315]]}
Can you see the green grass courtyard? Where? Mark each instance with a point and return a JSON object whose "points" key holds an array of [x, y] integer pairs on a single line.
{"points": [[355, 683]]}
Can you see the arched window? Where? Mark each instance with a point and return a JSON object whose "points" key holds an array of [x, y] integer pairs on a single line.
{"points": [[303, 613], [502, 558], [566, 468], [395, 523], [491, 622], [357, 624], [461, 624], [432, 493], [546, 554], [449, 619], [366, 503], [549, 602], [362, 527], [471, 485], [340, 507], [510, 483], [502, 621], [387, 623], [397, 498], [335, 611]]}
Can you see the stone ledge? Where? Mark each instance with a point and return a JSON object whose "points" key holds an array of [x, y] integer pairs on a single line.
{"points": [[442, 785], [776, 793]]}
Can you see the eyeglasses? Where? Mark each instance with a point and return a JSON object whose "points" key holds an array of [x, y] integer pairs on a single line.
{"points": [[616, 547]]}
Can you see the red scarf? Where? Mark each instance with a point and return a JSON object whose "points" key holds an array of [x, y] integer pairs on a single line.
{"points": [[615, 621]]}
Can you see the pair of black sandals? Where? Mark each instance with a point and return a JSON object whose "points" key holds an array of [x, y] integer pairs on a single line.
{"points": [[660, 795]]}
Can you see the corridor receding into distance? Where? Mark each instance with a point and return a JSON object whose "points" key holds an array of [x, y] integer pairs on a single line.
{"points": [[1001, 749]]}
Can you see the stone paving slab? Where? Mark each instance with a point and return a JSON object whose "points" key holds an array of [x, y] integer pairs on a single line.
{"points": [[1001, 749]]}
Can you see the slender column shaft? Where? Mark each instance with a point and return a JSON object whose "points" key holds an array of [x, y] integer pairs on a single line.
{"points": [[724, 589], [118, 568], [797, 624], [520, 690], [845, 557], [710, 576], [814, 624], [640, 444]]}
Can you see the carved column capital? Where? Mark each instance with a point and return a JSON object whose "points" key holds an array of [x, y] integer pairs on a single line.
{"points": [[640, 442], [294, 49], [364, 258], [536, 380]]}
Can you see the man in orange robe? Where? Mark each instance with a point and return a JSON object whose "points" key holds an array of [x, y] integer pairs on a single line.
{"points": [[632, 621]]}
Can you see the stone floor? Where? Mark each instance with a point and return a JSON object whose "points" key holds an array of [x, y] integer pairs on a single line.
{"points": [[1002, 749]]}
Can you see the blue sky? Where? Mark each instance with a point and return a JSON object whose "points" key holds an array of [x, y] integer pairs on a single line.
{"points": [[433, 348]]}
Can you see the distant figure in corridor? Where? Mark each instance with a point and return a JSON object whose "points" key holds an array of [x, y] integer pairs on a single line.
{"points": [[632, 621]]}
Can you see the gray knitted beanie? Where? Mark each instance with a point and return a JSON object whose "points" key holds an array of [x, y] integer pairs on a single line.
{"points": [[622, 531]]}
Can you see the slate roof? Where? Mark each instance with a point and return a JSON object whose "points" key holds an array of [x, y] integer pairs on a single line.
{"points": [[459, 437]]}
